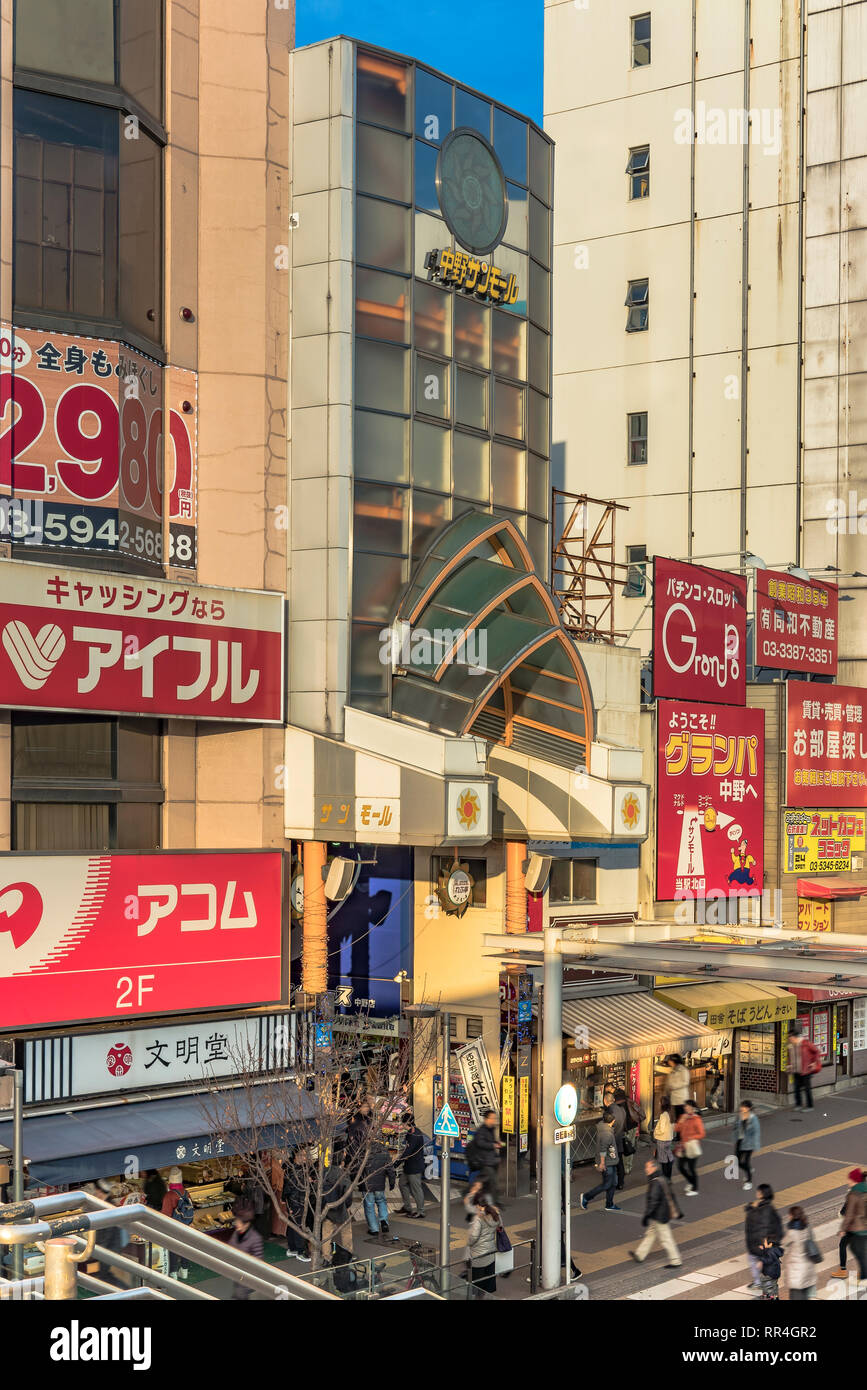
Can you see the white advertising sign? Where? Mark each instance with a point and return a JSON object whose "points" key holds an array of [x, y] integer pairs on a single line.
{"points": [[478, 1079]]}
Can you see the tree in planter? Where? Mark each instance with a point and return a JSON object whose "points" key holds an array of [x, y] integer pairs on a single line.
{"points": [[310, 1100]]}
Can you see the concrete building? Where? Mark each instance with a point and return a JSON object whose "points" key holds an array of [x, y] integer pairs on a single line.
{"points": [[710, 169]]}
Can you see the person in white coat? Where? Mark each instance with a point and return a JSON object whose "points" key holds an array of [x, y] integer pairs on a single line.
{"points": [[678, 1084], [799, 1268]]}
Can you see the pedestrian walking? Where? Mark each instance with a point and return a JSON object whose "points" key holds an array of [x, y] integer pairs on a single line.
{"points": [[799, 1247], [857, 1175], [378, 1171], [178, 1204], [606, 1162], [296, 1196], [246, 1238], [154, 1189], [771, 1267], [482, 1246], [677, 1084], [762, 1225], [690, 1132], [410, 1166], [663, 1138], [802, 1062], [356, 1136], [483, 1154], [855, 1220], [748, 1137], [618, 1124], [660, 1209], [635, 1118]]}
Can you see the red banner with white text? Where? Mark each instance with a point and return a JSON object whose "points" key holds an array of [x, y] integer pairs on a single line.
{"points": [[796, 623], [826, 744], [699, 633]]}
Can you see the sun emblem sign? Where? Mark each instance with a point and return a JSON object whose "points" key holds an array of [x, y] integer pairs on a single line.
{"points": [[471, 190]]}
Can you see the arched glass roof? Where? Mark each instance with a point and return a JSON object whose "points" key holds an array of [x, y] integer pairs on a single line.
{"points": [[482, 647]]}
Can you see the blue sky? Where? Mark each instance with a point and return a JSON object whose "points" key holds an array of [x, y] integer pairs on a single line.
{"points": [[495, 45]]}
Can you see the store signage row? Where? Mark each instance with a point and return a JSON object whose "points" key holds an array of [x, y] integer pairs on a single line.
{"points": [[132, 1059], [479, 278], [115, 936], [88, 429], [710, 800], [699, 633], [796, 623], [86, 640], [822, 842], [826, 745], [351, 815]]}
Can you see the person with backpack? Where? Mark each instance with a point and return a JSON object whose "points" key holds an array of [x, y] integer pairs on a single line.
{"points": [[803, 1060], [660, 1208], [690, 1132], [800, 1248], [606, 1162], [483, 1154], [482, 1246], [762, 1228], [178, 1204], [748, 1137]]}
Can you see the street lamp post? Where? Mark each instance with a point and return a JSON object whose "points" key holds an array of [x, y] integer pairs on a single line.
{"points": [[421, 1011]]}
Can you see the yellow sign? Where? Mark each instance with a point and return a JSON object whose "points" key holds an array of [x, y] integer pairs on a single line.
{"points": [[813, 916], [507, 1119], [822, 842], [466, 272], [784, 1045], [523, 1104]]}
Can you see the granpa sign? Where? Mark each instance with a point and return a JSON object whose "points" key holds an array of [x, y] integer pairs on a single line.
{"points": [[699, 633]]}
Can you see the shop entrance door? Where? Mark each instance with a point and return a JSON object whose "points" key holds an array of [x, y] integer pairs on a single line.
{"points": [[842, 1039]]}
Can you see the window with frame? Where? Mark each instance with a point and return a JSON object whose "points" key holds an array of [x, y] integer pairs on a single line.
{"points": [[640, 33], [573, 881], [638, 171], [475, 1028], [638, 306], [636, 575], [478, 871], [636, 424], [84, 785]]}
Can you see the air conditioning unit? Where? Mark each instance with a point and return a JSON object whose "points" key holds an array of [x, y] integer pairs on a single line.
{"points": [[339, 879], [538, 869]]}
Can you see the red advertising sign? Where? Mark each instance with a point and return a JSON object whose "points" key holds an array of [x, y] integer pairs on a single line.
{"points": [[121, 935], [87, 640], [710, 801], [87, 427], [826, 744], [796, 623], [699, 633]]}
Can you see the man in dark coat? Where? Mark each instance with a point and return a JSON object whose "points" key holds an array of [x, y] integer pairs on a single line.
{"points": [[411, 1168], [486, 1154], [659, 1207], [378, 1170]]}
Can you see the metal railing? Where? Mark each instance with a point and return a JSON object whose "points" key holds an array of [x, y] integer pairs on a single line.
{"points": [[414, 1267]]}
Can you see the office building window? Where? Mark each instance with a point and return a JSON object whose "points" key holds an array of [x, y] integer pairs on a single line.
{"points": [[637, 436], [638, 169], [638, 304], [636, 578], [640, 26], [573, 881], [475, 1028]]}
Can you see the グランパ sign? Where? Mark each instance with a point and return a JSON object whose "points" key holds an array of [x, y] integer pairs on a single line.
{"points": [[710, 801], [119, 935], [821, 842], [88, 640], [699, 633], [826, 745], [88, 429], [796, 623]]}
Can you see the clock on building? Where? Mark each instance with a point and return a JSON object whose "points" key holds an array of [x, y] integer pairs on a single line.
{"points": [[471, 190]]}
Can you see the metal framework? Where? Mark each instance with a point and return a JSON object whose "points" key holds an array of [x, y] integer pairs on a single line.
{"points": [[584, 572]]}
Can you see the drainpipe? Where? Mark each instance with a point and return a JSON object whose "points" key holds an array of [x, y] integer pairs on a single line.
{"points": [[552, 1070], [314, 938]]}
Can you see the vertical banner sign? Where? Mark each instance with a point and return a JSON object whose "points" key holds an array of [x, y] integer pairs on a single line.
{"points": [[699, 633], [478, 1078], [826, 745], [796, 623], [89, 430], [523, 1104], [634, 1074], [507, 1122], [710, 801]]}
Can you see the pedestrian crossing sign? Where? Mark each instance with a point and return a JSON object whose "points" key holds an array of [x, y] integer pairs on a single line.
{"points": [[446, 1126]]}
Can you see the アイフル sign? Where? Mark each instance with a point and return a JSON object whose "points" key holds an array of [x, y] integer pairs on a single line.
{"points": [[699, 633], [826, 745], [86, 640], [122, 935]]}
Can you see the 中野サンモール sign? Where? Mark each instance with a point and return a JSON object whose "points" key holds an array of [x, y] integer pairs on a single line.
{"points": [[465, 272], [699, 633]]}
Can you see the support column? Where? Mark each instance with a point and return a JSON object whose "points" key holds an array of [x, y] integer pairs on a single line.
{"points": [[552, 1070], [314, 931], [516, 893]]}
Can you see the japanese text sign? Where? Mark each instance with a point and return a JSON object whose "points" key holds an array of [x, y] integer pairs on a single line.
{"points": [[822, 842], [826, 745], [88, 429], [114, 936], [479, 278], [477, 1078], [699, 633], [86, 640], [796, 623], [710, 801]]}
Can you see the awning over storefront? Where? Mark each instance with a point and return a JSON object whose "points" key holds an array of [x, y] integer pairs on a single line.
{"points": [[731, 1003], [825, 892], [805, 995], [625, 1027], [84, 1145]]}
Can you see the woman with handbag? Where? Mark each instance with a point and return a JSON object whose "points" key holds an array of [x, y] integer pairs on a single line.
{"points": [[482, 1246], [690, 1132], [802, 1256], [663, 1138]]}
